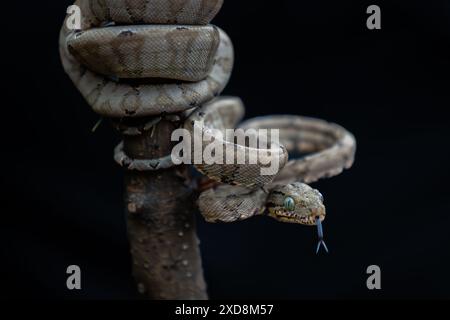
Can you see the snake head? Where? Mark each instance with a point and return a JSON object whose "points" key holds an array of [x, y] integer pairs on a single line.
{"points": [[296, 203]]}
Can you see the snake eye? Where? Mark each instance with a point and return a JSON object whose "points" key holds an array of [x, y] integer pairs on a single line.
{"points": [[289, 204]]}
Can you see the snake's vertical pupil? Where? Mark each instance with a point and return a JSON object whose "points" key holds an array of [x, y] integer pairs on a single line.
{"points": [[289, 204]]}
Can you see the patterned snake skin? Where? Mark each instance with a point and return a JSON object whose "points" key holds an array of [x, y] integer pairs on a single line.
{"points": [[147, 51], [135, 58], [324, 151]]}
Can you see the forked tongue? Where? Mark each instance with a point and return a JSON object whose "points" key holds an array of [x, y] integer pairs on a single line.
{"points": [[320, 234]]}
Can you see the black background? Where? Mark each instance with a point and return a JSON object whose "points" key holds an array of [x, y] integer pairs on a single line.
{"points": [[61, 199]]}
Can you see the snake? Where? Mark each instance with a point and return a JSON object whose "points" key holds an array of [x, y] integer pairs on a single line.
{"points": [[153, 58]]}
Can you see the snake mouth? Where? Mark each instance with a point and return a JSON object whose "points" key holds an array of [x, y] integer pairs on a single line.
{"points": [[293, 217], [287, 215], [309, 220]]}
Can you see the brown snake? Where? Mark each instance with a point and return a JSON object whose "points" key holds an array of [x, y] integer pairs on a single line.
{"points": [[135, 58]]}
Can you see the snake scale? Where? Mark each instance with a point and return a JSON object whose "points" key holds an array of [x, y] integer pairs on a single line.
{"points": [[135, 58]]}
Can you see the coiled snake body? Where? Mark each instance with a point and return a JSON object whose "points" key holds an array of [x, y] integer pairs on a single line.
{"points": [[136, 58]]}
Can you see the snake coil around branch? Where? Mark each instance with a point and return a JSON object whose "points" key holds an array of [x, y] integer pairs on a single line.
{"points": [[150, 58]]}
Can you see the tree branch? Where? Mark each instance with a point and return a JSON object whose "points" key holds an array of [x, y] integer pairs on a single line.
{"points": [[160, 214]]}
